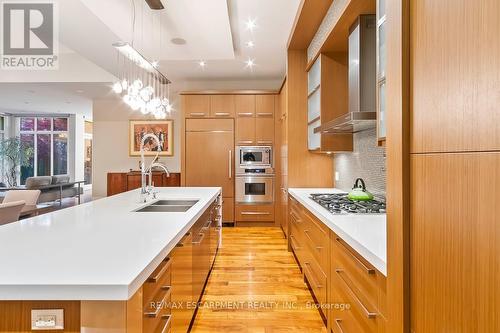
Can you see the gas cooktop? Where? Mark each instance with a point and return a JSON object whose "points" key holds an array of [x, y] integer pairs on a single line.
{"points": [[339, 203]]}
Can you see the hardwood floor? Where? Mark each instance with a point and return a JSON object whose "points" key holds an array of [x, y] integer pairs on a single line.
{"points": [[256, 286]]}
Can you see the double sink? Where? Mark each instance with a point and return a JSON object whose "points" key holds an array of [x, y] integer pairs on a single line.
{"points": [[176, 206]]}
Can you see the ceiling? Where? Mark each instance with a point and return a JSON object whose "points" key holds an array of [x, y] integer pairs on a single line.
{"points": [[214, 31]]}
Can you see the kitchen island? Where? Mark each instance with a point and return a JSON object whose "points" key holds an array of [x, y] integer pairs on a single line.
{"points": [[105, 263]]}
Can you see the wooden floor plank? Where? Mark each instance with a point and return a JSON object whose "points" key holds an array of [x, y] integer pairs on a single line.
{"points": [[256, 287]]}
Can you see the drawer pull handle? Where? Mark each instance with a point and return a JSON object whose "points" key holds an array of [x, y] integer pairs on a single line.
{"points": [[292, 242], [163, 267], [319, 248], [295, 217], [255, 213], [200, 240], [264, 114], [221, 114], [182, 242], [159, 304], [245, 142], [338, 322], [367, 312], [245, 114], [264, 142], [319, 286], [197, 114], [367, 269], [166, 327]]}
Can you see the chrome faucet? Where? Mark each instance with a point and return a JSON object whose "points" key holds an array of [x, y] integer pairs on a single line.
{"points": [[147, 190]]}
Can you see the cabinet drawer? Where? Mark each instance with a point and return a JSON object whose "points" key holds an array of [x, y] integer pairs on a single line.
{"points": [[296, 244], [255, 213], [317, 279], [162, 323], [363, 276], [317, 239], [159, 280], [295, 205], [359, 317]]}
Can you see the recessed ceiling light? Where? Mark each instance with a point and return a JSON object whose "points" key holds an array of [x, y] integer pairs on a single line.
{"points": [[250, 44], [178, 41], [202, 63], [251, 24], [250, 63]]}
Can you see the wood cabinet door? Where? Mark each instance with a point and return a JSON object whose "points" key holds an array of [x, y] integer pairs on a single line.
{"points": [[264, 105], [196, 106], [264, 130], [222, 106], [133, 181], [210, 160], [245, 105], [245, 131], [455, 243], [455, 88]]}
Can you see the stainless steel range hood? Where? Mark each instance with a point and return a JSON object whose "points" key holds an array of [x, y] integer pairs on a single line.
{"points": [[362, 113]]}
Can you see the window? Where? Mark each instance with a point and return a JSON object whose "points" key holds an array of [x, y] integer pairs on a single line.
{"points": [[2, 136], [48, 136]]}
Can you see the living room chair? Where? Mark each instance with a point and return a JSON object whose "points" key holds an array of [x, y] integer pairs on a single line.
{"points": [[30, 197], [9, 212]]}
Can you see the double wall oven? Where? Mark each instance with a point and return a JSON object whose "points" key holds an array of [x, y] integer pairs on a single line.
{"points": [[254, 174]]}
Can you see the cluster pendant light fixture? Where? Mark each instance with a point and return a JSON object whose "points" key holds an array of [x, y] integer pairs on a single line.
{"points": [[142, 86]]}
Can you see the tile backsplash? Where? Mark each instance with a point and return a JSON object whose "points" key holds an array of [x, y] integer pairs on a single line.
{"points": [[367, 161]]}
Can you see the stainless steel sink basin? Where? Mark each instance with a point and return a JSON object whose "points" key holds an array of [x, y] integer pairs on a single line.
{"points": [[177, 206], [175, 202], [159, 208]]}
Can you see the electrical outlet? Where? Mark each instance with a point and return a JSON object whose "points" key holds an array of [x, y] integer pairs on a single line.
{"points": [[337, 176], [47, 319]]}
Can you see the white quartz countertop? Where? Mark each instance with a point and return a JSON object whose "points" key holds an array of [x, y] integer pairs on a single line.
{"points": [[100, 250], [365, 233]]}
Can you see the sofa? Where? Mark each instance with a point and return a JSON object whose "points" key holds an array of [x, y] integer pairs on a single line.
{"points": [[53, 187]]}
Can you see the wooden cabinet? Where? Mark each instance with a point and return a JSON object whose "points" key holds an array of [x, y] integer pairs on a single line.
{"points": [[455, 243], [245, 105], [209, 157], [118, 182], [327, 100], [196, 106], [264, 121], [454, 99], [254, 213], [255, 120], [222, 106], [356, 282], [245, 130], [337, 275]]}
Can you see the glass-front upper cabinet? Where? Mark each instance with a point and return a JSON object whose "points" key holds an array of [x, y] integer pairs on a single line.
{"points": [[381, 71], [314, 105]]}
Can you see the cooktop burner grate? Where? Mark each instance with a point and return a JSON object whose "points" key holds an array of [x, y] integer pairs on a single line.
{"points": [[339, 203]]}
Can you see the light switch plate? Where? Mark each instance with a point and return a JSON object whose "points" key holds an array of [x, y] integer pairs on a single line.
{"points": [[337, 176], [47, 319]]}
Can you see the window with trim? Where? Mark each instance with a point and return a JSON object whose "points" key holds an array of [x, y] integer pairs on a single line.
{"points": [[48, 136], [2, 136]]}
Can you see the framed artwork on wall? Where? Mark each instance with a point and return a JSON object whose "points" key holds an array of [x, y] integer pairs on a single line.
{"points": [[163, 129]]}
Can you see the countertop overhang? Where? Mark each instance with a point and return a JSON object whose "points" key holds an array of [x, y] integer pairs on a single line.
{"points": [[365, 233], [100, 250]]}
